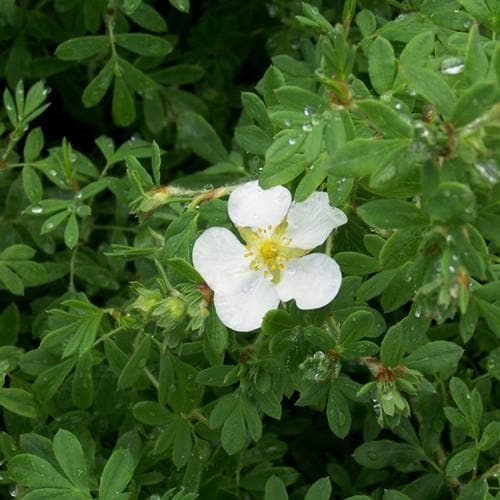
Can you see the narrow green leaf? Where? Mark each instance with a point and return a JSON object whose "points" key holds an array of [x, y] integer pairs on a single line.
{"points": [[144, 44], [123, 105], [362, 157], [387, 120], [71, 232], [18, 401], [116, 474], [98, 87], [69, 455], [430, 85], [76, 49], [381, 65], [199, 135]]}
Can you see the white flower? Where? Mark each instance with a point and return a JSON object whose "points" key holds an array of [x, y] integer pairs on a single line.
{"points": [[249, 280]]}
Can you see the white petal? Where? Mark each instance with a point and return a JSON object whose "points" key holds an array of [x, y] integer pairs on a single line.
{"points": [[218, 257], [312, 220], [313, 281], [243, 309], [251, 206]]}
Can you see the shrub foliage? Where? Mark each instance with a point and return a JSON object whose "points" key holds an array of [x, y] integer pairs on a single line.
{"points": [[118, 379]]}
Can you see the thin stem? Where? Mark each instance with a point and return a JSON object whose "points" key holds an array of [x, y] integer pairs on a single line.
{"points": [[108, 335], [152, 378]]}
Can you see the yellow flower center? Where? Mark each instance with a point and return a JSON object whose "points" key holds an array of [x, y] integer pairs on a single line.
{"points": [[269, 250]]}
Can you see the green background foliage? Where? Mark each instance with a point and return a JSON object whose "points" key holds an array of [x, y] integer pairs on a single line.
{"points": [[125, 124]]}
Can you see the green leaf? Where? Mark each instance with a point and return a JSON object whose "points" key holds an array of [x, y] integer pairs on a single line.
{"points": [[76, 49], [401, 247], [53, 221], [48, 382], [452, 202], [32, 184], [116, 474], [69, 455], [11, 280], [385, 119], [281, 173], [82, 388], [476, 62], [143, 44], [35, 472], [362, 157], [358, 325], [18, 401], [299, 99], [285, 146], [71, 232], [430, 85], [381, 65], [491, 436], [181, 5], [420, 46], [393, 346], [434, 357], [198, 134], [338, 413], [234, 435], [391, 214], [183, 444], [383, 453], [462, 462], [474, 102], [98, 87], [320, 490], [252, 139], [135, 365], [123, 105], [275, 489], [151, 413], [33, 145]]}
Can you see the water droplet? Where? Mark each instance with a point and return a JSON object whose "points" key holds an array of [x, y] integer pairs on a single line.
{"points": [[307, 127], [208, 187], [288, 123], [452, 66], [308, 111], [292, 141], [78, 196], [13, 490], [398, 106], [49, 225], [36, 209], [451, 269], [46, 91], [9, 107]]}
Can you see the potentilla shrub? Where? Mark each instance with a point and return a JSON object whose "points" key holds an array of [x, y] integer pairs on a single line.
{"points": [[222, 281]]}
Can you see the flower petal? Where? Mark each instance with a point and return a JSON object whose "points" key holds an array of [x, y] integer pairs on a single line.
{"points": [[313, 281], [243, 309], [251, 206], [312, 220], [219, 257]]}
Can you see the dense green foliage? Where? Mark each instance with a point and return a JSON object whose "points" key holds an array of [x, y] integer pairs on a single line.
{"points": [[118, 379]]}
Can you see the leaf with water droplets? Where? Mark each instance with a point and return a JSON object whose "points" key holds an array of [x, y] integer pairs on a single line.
{"points": [[462, 462], [30, 470], [338, 413], [69, 454], [116, 474], [18, 401]]}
